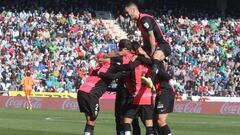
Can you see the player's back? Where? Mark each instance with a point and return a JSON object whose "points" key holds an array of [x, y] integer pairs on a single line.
{"points": [[27, 83]]}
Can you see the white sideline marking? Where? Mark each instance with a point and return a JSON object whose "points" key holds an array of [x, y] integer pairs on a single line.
{"points": [[107, 119], [234, 123], [61, 119]]}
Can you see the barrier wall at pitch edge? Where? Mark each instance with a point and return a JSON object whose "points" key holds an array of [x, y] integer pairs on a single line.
{"points": [[44, 94], [55, 94], [108, 104]]}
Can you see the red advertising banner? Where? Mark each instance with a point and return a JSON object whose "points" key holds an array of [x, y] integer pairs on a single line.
{"points": [[207, 107], [108, 104], [50, 103]]}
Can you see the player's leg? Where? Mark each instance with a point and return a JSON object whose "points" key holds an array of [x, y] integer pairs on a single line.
{"points": [[27, 96], [155, 125], [159, 55], [130, 113], [150, 81], [164, 105], [162, 124], [119, 124], [136, 127], [90, 124], [88, 105], [146, 114], [91, 119], [149, 127], [118, 114], [127, 125]]}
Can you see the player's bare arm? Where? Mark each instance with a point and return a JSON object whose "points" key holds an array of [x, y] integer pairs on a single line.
{"points": [[103, 60], [152, 41], [123, 52]]}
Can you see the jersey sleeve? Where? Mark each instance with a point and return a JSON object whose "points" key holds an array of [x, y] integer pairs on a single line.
{"points": [[115, 60], [147, 23]]}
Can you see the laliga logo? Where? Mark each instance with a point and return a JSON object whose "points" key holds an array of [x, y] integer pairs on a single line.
{"points": [[190, 107], [70, 104], [21, 103], [228, 108]]}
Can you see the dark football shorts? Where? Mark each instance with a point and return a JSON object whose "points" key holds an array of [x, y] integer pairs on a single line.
{"points": [[120, 102], [88, 104], [165, 48], [145, 112], [164, 103]]}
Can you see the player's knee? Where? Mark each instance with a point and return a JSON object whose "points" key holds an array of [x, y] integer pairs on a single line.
{"points": [[148, 123], [91, 122], [162, 120]]}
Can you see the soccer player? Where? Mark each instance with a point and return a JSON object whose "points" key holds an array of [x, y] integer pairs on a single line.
{"points": [[118, 64], [164, 101], [122, 94], [158, 49], [140, 103], [155, 44], [28, 83], [92, 89], [88, 98], [89, 94]]}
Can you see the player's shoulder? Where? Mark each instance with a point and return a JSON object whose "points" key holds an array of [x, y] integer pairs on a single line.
{"points": [[146, 19]]}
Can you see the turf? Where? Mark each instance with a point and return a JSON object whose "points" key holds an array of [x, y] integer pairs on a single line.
{"points": [[59, 122]]}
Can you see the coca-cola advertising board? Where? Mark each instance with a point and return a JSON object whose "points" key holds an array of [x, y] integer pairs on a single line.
{"points": [[108, 104], [50, 103], [207, 107]]}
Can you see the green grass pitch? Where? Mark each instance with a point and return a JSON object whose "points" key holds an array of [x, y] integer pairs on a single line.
{"points": [[59, 122]]}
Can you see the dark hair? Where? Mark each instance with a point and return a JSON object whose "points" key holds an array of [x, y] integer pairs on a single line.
{"points": [[129, 3], [125, 43], [135, 45], [28, 73]]}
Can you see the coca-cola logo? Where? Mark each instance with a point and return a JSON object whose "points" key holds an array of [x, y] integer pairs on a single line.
{"points": [[13, 102], [230, 108], [179, 107], [70, 104], [189, 107]]}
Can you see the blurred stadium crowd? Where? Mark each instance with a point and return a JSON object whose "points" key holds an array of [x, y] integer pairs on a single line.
{"points": [[205, 50], [59, 48]]}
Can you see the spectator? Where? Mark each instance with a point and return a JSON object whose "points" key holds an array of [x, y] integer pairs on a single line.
{"points": [[203, 50]]}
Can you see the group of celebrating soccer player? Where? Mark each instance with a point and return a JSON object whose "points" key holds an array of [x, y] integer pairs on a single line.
{"points": [[143, 88]]}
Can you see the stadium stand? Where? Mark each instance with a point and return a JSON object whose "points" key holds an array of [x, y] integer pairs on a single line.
{"points": [[59, 47], [205, 47]]}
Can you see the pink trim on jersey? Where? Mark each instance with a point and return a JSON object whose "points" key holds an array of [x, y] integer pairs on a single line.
{"points": [[91, 81], [144, 33], [142, 94]]}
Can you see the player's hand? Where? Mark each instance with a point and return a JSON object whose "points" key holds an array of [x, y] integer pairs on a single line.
{"points": [[141, 51], [134, 58], [159, 55]]}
